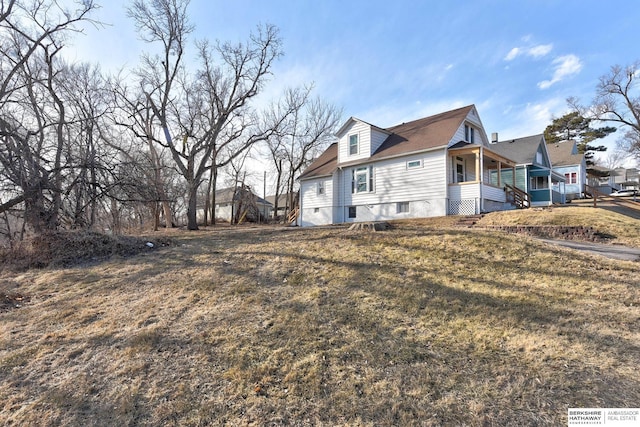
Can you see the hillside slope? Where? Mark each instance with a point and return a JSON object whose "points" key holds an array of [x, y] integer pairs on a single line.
{"points": [[425, 324]]}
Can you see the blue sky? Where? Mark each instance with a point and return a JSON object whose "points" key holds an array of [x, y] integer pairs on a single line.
{"points": [[388, 62]]}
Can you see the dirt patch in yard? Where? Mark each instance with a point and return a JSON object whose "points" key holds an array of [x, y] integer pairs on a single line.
{"points": [[10, 300], [70, 248]]}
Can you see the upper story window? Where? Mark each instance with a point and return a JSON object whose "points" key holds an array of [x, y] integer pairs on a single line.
{"points": [[320, 188], [538, 157], [362, 179], [469, 134], [353, 144]]}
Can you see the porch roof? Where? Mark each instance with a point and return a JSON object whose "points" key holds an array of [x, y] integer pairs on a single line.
{"points": [[466, 148]]}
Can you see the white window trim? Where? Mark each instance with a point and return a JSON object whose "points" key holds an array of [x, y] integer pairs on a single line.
{"points": [[469, 133], [357, 135], [414, 164], [368, 172]]}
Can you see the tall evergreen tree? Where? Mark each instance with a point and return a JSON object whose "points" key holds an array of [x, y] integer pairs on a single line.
{"points": [[574, 126]]}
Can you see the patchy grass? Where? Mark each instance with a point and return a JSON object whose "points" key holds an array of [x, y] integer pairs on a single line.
{"points": [[624, 229], [425, 324]]}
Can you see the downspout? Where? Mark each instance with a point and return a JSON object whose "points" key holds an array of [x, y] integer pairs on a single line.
{"points": [[342, 195], [299, 218]]}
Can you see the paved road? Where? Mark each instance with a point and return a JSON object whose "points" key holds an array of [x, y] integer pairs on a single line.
{"points": [[610, 251]]}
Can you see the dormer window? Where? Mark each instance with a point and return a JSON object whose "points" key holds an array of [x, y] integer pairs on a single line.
{"points": [[353, 145], [469, 134]]}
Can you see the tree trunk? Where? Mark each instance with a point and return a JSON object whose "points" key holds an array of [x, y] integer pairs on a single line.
{"points": [[277, 196], [192, 207], [214, 183], [159, 183]]}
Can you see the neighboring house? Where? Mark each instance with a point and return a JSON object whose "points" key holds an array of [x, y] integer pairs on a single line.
{"points": [[240, 204], [284, 200], [615, 179], [533, 172], [602, 181], [435, 166], [566, 161], [624, 179]]}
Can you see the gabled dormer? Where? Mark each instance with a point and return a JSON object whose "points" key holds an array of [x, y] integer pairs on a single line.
{"points": [[542, 154], [471, 130], [358, 140]]}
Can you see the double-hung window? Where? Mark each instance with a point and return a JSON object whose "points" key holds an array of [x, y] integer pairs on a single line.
{"points": [[353, 145], [571, 178], [469, 134], [362, 179]]}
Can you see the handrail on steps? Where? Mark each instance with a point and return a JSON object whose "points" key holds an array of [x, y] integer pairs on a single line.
{"points": [[521, 199]]}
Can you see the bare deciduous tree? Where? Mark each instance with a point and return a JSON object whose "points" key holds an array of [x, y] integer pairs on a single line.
{"points": [[618, 100], [33, 113], [201, 112], [309, 126]]}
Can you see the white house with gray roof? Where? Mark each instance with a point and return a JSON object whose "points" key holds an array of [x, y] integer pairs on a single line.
{"points": [[435, 166]]}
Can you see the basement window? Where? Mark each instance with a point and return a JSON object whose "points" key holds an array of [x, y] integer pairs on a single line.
{"points": [[402, 207], [352, 211]]}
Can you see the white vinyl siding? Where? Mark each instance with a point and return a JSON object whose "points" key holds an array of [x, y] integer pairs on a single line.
{"points": [[364, 142], [369, 140], [394, 183], [377, 138], [479, 133], [317, 208]]}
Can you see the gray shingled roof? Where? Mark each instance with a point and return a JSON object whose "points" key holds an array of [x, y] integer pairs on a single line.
{"points": [[562, 154], [521, 150]]}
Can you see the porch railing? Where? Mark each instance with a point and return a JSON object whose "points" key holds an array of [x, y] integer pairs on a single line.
{"points": [[520, 198]]}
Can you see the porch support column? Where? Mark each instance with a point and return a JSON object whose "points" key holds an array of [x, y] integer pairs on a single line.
{"points": [[480, 164], [499, 173]]}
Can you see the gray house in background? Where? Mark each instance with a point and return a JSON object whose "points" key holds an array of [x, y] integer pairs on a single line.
{"points": [[615, 179], [567, 162], [240, 204], [534, 172], [283, 203]]}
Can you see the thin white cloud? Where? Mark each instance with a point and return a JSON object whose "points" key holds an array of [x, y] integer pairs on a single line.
{"points": [[513, 54], [540, 50], [535, 52], [565, 66]]}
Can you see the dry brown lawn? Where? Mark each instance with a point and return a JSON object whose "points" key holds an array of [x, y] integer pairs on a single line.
{"points": [[425, 324]]}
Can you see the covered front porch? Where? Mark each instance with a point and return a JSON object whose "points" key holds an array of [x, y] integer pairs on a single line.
{"points": [[476, 183]]}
